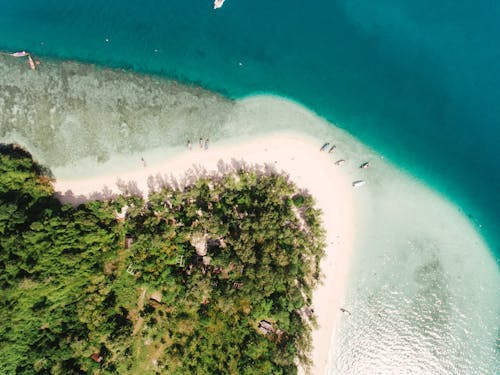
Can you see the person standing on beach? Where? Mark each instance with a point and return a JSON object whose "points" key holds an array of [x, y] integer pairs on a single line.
{"points": [[201, 142], [189, 145], [206, 144], [143, 162]]}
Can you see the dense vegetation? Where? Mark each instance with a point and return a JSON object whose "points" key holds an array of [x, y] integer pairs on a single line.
{"points": [[212, 278]]}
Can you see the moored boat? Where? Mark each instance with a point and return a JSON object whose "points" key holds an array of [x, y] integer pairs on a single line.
{"points": [[358, 183], [31, 63], [20, 54]]}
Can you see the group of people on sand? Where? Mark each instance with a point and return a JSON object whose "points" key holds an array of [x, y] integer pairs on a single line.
{"points": [[203, 143]]}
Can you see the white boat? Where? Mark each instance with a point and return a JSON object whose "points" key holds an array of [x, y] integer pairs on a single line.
{"points": [[31, 63], [358, 183], [20, 54], [218, 4]]}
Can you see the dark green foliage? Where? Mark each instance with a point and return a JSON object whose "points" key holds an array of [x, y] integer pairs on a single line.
{"points": [[298, 200], [70, 288]]}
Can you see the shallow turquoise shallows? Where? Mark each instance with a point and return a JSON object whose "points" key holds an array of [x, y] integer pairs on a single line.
{"points": [[417, 80]]}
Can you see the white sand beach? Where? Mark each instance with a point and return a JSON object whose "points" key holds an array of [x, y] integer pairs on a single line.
{"points": [[308, 167]]}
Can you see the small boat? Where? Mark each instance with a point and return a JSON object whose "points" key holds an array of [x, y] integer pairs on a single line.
{"points": [[358, 183], [31, 63], [345, 311], [323, 148], [20, 54], [365, 165], [218, 4], [340, 162], [331, 149]]}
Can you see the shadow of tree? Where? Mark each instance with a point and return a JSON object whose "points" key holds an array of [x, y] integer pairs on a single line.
{"points": [[69, 197], [160, 181]]}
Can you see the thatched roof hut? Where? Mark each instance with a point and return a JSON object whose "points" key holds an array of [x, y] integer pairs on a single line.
{"points": [[156, 296], [199, 242], [96, 357], [265, 327]]}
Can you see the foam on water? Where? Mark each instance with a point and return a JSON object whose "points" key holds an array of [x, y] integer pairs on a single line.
{"points": [[424, 289]]}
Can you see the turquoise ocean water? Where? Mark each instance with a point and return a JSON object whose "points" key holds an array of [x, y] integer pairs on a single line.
{"points": [[418, 81]]}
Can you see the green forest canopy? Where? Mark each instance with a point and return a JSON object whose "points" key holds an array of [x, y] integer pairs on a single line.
{"points": [[214, 278]]}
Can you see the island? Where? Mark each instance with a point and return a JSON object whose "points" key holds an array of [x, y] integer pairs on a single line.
{"points": [[211, 276]]}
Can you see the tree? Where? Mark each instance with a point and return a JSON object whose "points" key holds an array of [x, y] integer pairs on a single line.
{"points": [[71, 290]]}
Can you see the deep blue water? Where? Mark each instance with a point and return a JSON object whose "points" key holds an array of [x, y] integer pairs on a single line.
{"points": [[417, 80]]}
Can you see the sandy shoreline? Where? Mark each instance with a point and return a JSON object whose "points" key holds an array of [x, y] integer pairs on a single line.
{"points": [[299, 156]]}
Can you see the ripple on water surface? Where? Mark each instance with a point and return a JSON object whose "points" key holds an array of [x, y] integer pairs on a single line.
{"points": [[424, 292]]}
